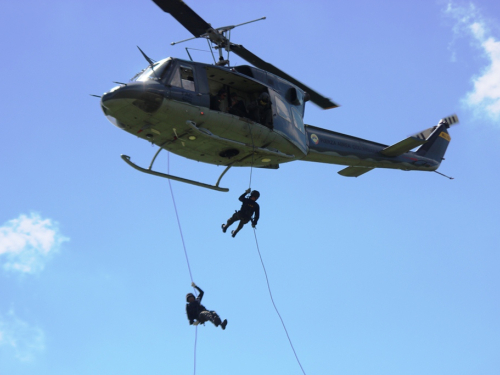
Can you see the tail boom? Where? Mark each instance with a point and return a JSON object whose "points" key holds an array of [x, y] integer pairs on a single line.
{"points": [[336, 148]]}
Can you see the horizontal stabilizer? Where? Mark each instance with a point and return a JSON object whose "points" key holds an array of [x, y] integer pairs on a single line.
{"points": [[425, 134], [403, 146], [354, 171]]}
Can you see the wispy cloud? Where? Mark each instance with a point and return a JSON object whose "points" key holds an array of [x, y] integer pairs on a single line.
{"points": [[23, 340], [484, 99], [26, 243]]}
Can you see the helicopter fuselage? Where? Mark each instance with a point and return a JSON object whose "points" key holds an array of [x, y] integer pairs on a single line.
{"points": [[168, 104]]}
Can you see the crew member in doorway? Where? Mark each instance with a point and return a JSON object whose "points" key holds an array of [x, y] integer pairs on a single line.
{"points": [[260, 110], [216, 101], [197, 313], [248, 208], [237, 107]]}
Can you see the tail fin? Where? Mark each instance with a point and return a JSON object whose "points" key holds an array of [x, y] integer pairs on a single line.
{"points": [[437, 139]]}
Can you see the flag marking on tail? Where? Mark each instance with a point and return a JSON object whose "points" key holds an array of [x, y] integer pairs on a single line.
{"points": [[445, 136]]}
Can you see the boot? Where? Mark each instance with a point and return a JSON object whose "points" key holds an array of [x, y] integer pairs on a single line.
{"points": [[217, 320], [224, 324], [233, 233], [224, 228]]}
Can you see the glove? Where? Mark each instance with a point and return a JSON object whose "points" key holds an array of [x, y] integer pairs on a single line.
{"points": [[247, 191], [253, 225], [193, 284], [196, 323]]}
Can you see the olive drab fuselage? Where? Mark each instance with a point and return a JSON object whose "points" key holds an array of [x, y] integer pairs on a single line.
{"points": [[168, 104]]}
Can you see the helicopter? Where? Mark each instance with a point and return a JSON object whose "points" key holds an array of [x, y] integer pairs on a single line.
{"points": [[171, 104]]}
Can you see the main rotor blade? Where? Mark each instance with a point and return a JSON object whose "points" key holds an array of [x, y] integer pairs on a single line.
{"points": [[185, 16], [316, 98]]}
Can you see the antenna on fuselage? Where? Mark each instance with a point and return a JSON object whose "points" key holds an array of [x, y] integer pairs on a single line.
{"points": [[442, 174], [150, 61], [194, 49]]}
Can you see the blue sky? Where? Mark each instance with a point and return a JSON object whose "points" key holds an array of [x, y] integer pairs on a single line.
{"points": [[389, 273]]}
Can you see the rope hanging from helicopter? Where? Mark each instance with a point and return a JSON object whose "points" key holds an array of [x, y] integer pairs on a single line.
{"points": [[262, 262], [258, 251], [253, 152], [272, 300], [185, 253]]}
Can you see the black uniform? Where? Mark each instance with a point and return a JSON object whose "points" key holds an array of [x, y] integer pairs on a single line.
{"points": [[216, 101], [261, 112], [244, 215], [238, 108], [196, 311]]}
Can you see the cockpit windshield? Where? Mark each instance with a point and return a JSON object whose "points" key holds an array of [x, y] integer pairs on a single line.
{"points": [[154, 72]]}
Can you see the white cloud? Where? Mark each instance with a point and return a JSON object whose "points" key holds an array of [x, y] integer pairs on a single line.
{"points": [[484, 99], [477, 30], [20, 338], [26, 243]]}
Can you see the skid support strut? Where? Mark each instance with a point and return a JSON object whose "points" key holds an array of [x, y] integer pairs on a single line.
{"points": [[175, 178]]}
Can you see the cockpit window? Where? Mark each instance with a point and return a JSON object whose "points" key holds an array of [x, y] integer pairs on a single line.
{"points": [[154, 72], [184, 78], [150, 72]]}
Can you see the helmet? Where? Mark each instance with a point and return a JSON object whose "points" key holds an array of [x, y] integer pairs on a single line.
{"points": [[189, 295], [255, 194], [264, 98]]}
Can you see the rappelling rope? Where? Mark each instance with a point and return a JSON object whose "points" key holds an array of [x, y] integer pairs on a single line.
{"points": [[253, 151], [178, 221], [262, 262], [272, 300], [195, 340], [185, 253]]}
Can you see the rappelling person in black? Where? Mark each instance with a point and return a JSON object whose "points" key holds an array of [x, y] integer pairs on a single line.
{"points": [[247, 210], [197, 313]]}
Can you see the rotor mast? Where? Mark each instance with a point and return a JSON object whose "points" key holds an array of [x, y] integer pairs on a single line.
{"points": [[221, 37]]}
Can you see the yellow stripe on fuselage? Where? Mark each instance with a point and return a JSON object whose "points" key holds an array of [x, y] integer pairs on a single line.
{"points": [[445, 136]]}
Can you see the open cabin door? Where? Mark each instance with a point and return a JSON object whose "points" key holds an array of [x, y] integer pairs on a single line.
{"points": [[246, 89]]}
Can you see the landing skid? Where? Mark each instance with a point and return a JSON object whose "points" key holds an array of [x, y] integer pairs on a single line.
{"points": [[175, 178]]}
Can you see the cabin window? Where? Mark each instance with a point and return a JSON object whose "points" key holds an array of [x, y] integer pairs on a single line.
{"points": [[297, 120], [184, 78], [281, 108]]}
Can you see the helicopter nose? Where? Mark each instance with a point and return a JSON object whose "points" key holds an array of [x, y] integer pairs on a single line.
{"points": [[112, 117], [145, 97], [119, 96], [117, 99]]}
